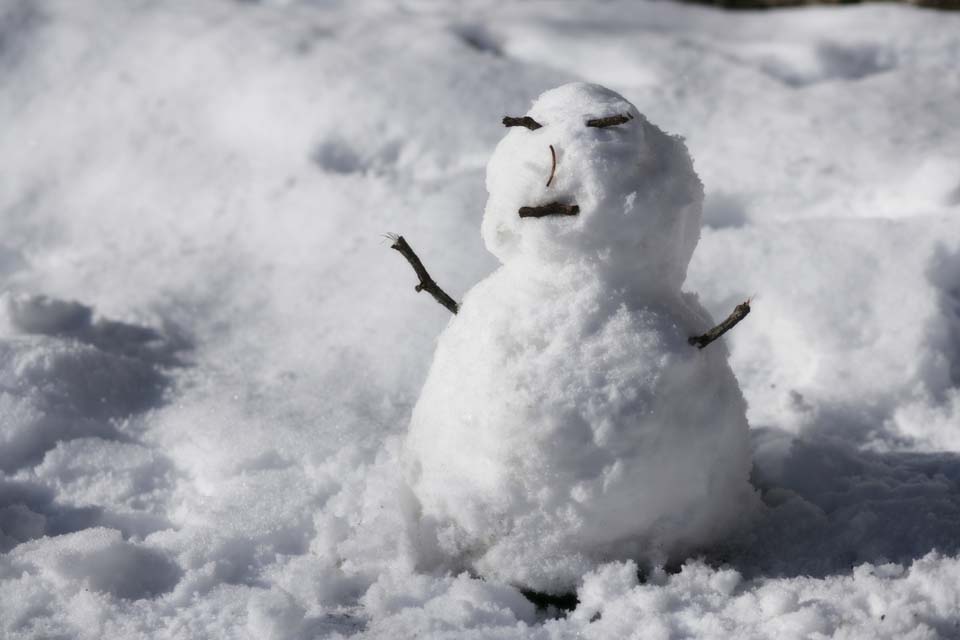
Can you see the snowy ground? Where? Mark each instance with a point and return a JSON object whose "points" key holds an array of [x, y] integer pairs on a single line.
{"points": [[199, 422]]}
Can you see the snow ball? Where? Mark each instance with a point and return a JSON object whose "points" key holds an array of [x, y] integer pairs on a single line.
{"points": [[564, 424], [639, 198]]}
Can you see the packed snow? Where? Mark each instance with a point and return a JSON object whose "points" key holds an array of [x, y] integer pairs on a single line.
{"points": [[210, 356], [566, 420]]}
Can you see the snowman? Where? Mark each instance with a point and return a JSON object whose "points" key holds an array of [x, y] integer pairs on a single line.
{"points": [[566, 419]]}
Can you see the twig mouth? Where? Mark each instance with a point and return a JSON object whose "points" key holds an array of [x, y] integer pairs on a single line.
{"points": [[552, 209]]}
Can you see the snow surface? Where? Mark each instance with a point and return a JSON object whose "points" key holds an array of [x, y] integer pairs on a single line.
{"points": [[566, 421], [201, 420]]}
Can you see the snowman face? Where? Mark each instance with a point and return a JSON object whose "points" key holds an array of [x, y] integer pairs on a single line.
{"points": [[584, 176]]}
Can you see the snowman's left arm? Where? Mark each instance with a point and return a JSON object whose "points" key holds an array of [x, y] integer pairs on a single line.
{"points": [[426, 282], [738, 314]]}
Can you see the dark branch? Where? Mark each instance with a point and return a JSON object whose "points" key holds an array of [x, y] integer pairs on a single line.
{"points": [[525, 121], [609, 121], [553, 167], [552, 209], [738, 314], [426, 282]]}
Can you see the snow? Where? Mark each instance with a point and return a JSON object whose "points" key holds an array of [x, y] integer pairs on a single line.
{"points": [[566, 420], [557, 428], [638, 197], [210, 358]]}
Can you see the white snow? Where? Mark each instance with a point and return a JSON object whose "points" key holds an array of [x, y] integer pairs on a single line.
{"points": [[209, 357], [639, 199], [566, 420]]}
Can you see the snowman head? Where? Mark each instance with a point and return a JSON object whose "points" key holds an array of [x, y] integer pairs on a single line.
{"points": [[585, 178]]}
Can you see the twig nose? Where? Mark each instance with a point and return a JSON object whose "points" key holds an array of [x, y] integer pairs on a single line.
{"points": [[553, 164]]}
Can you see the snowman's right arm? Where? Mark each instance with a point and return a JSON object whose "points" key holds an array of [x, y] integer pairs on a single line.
{"points": [[426, 282]]}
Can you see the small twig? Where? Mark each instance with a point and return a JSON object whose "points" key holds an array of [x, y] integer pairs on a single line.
{"points": [[552, 209], [738, 314], [609, 121], [553, 167], [426, 282], [525, 121]]}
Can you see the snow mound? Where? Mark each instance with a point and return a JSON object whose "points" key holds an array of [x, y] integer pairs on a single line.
{"points": [[99, 559], [876, 601]]}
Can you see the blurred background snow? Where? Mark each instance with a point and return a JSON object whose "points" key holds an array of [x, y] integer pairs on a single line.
{"points": [[208, 353]]}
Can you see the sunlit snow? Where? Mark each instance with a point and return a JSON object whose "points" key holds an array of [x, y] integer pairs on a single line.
{"points": [[209, 355]]}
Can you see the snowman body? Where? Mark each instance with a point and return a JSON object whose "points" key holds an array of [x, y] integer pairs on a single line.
{"points": [[566, 420]]}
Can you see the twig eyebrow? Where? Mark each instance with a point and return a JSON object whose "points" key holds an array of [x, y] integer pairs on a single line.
{"points": [[610, 121], [525, 121]]}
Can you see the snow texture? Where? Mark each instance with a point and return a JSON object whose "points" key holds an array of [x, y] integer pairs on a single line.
{"points": [[566, 420], [209, 358], [639, 199]]}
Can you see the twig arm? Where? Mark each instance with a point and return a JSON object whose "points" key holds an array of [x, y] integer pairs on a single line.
{"points": [[426, 282], [739, 313]]}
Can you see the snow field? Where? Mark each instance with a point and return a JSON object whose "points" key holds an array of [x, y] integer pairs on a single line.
{"points": [[200, 422]]}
